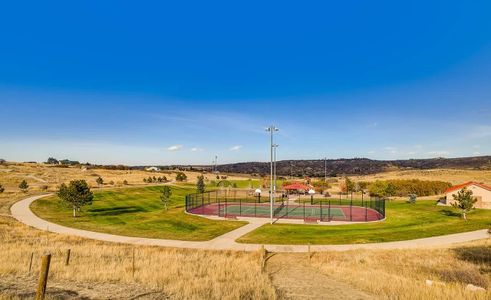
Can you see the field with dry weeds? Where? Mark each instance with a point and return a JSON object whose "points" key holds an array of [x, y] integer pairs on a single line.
{"points": [[100, 270], [46, 178], [451, 175], [103, 270], [402, 274]]}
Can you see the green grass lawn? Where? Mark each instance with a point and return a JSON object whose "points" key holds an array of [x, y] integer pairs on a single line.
{"points": [[136, 212], [404, 222]]}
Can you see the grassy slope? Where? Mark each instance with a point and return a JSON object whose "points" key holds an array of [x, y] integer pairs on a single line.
{"points": [[136, 212], [404, 221]]}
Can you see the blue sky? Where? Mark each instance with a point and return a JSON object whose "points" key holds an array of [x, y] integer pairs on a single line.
{"points": [[163, 83]]}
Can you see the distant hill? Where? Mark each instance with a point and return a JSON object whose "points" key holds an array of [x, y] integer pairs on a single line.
{"points": [[356, 166]]}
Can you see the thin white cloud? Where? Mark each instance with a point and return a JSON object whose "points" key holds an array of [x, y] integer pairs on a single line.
{"points": [[439, 153], [195, 149], [174, 148], [236, 148], [371, 152], [476, 153]]}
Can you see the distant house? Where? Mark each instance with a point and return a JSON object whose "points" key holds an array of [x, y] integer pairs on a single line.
{"points": [[480, 191], [152, 169]]}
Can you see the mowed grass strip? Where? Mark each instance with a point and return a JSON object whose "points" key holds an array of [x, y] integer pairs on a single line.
{"points": [[136, 212], [404, 222]]}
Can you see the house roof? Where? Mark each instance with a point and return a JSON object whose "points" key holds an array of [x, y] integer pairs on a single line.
{"points": [[296, 186], [460, 186]]}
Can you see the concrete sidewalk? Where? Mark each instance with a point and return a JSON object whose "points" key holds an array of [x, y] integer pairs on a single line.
{"points": [[22, 212]]}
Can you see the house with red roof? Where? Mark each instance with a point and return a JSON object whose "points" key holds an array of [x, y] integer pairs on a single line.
{"points": [[479, 190]]}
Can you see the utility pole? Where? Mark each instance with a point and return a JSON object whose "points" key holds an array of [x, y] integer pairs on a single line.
{"points": [[271, 129]]}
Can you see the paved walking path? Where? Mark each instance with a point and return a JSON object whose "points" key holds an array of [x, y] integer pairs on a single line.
{"points": [[22, 212]]}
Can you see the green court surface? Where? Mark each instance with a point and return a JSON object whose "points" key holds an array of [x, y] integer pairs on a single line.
{"points": [[283, 211]]}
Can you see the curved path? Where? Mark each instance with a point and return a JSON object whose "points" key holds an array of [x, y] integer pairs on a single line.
{"points": [[22, 212]]}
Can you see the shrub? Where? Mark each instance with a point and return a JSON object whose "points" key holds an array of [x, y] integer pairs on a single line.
{"points": [[99, 180], [181, 176], [463, 275], [320, 186], [23, 186], [125, 182], [52, 161], [2, 189]]}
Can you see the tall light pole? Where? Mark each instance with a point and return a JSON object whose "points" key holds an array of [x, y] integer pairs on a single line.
{"points": [[274, 167], [271, 129], [325, 169]]}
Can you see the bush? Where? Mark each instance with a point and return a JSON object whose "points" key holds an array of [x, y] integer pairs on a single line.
{"points": [[463, 275], [181, 176], [125, 182], [23, 186], [320, 186], [2, 189]]}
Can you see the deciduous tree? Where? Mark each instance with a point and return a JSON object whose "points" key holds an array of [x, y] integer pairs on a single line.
{"points": [[464, 201], [165, 195]]}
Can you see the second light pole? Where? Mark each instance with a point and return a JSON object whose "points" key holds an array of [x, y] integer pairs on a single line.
{"points": [[271, 129]]}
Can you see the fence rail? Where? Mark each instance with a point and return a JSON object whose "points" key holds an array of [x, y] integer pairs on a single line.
{"points": [[354, 207]]}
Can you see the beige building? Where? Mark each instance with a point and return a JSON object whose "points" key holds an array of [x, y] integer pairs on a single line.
{"points": [[480, 191]]}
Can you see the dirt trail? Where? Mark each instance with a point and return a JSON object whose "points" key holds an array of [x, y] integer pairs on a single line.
{"points": [[295, 279]]}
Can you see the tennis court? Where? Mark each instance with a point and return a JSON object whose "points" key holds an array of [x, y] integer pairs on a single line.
{"points": [[280, 211], [241, 204]]}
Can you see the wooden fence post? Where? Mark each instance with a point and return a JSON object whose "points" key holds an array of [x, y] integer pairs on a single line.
{"points": [[30, 262], [263, 258], [43, 277], [67, 260], [133, 264], [310, 253]]}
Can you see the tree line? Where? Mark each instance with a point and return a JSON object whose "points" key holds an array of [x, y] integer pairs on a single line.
{"points": [[404, 187]]}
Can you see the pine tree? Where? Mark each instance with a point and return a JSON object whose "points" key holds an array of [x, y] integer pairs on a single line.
{"points": [[200, 185], [23, 186]]}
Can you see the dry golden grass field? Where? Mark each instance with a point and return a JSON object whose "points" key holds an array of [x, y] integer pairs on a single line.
{"points": [[450, 175], [45, 178], [100, 270]]}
